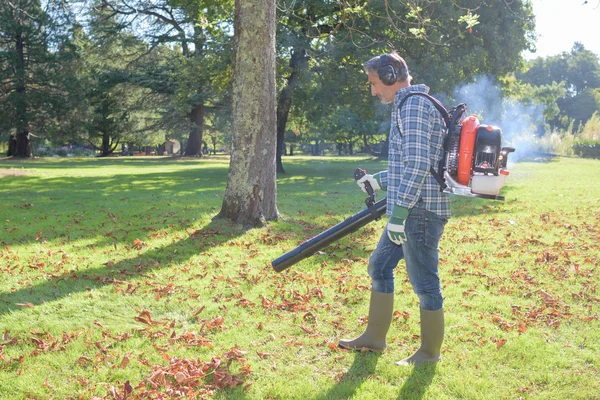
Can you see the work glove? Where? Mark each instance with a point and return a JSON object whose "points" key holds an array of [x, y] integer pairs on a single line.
{"points": [[374, 180], [396, 223]]}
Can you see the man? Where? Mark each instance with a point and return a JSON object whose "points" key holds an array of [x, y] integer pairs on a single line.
{"points": [[417, 211]]}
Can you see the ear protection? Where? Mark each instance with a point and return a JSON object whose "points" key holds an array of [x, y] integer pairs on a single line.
{"points": [[387, 72]]}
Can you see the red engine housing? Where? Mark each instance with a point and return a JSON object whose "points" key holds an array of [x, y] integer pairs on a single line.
{"points": [[468, 134]]}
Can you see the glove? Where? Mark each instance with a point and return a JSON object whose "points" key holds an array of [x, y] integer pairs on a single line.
{"points": [[374, 180], [395, 225]]}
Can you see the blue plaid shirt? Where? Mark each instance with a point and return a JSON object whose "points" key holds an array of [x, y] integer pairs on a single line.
{"points": [[416, 143]]}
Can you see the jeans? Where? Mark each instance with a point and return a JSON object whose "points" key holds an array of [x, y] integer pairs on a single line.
{"points": [[423, 232]]}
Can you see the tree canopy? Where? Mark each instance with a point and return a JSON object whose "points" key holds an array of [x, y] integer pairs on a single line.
{"points": [[107, 72]]}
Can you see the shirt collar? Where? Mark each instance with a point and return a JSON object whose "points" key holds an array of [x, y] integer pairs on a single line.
{"points": [[401, 93]]}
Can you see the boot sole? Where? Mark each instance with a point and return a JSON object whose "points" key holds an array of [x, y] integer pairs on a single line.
{"points": [[361, 349]]}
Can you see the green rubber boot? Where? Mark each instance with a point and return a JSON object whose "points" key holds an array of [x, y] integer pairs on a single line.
{"points": [[432, 336], [381, 309]]}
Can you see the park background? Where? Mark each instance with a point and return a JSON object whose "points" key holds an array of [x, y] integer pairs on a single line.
{"points": [[117, 282]]}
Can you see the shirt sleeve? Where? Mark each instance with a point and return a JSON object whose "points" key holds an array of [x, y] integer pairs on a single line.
{"points": [[383, 177], [415, 126]]}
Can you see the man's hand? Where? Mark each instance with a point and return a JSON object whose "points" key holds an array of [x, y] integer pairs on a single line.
{"points": [[372, 179], [395, 225]]}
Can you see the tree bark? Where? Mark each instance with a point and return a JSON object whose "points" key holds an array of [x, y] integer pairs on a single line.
{"points": [[22, 147], [194, 145], [251, 193], [298, 61], [108, 146]]}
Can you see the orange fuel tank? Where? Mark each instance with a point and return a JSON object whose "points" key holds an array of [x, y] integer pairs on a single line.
{"points": [[468, 134]]}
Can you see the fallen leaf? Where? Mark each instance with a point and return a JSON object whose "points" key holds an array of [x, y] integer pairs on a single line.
{"points": [[125, 360], [500, 343], [83, 361]]}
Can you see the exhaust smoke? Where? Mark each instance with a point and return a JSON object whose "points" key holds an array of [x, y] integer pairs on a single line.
{"points": [[518, 121]]}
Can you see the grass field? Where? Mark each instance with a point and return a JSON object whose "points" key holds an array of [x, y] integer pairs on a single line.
{"points": [[117, 284]]}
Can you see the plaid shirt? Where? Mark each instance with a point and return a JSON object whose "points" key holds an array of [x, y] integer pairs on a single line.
{"points": [[420, 145]]}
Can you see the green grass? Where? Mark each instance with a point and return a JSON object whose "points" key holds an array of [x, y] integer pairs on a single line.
{"points": [[115, 279]]}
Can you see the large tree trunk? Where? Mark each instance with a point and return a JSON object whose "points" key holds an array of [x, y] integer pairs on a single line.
{"points": [[298, 61], [194, 145], [22, 146], [250, 197], [12, 146], [108, 146]]}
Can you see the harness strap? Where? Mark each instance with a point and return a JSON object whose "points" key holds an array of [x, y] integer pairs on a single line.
{"points": [[446, 117]]}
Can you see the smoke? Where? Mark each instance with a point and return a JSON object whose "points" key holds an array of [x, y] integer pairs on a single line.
{"points": [[517, 121]]}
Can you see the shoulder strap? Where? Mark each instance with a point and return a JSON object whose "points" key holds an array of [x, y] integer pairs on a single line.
{"points": [[434, 101], [438, 175]]}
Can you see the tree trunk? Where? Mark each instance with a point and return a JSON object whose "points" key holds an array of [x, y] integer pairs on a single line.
{"points": [[194, 144], [12, 146], [298, 61], [316, 151], [250, 197], [22, 146], [108, 146], [105, 147]]}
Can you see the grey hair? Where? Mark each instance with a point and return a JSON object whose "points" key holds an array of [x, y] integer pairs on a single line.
{"points": [[397, 62]]}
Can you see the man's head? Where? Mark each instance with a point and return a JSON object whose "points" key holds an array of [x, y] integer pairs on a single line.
{"points": [[387, 74]]}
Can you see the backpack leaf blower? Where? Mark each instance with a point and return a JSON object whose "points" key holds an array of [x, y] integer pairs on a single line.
{"points": [[473, 164]]}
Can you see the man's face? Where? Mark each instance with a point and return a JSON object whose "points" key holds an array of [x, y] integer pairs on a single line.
{"points": [[378, 88]]}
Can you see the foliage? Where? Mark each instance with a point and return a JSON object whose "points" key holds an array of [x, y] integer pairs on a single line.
{"points": [[35, 53], [552, 142], [176, 63], [591, 129], [200, 31], [138, 291], [434, 37], [579, 71], [587, 148], [527, 94]]}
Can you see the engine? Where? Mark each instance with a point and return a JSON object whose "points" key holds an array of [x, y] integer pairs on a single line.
{"points": [[475, 160]]}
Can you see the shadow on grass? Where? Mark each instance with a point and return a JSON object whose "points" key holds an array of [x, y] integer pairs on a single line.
{"points": [[72, 281], [362, 368], [417, 383], [117, 208]]}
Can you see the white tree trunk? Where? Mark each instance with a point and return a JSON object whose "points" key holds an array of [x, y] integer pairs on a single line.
{"points": [[251, 194]]}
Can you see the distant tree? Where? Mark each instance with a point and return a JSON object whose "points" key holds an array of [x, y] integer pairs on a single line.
{"points": [[527, 94], [114, 111], [579, 72], [34, 55], [250, 197], [200, 31], [302, 27], [446, 43]]}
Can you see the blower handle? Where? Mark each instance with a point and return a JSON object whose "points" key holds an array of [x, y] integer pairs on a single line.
{"points": [[369, 201]]}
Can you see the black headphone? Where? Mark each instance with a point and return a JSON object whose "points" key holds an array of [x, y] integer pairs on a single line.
{"points": [[387, 72]]}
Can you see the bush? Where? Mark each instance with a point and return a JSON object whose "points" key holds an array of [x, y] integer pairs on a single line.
{"points": [[591, 129], [557, 142], [587, 148]]}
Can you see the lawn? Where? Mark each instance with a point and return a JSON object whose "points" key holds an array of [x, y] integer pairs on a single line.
{"points": [[116, 283]]}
